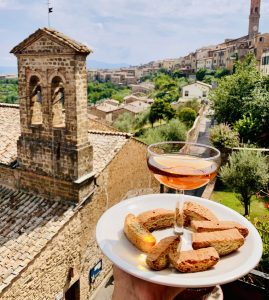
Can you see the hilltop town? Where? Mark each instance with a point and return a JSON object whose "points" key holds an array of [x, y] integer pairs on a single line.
{"points": [[213, 57]]}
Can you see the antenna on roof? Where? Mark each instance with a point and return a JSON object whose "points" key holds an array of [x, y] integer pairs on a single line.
{"points": [[50, 10]]}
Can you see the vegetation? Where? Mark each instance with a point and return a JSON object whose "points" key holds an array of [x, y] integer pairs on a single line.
{"points": [[193, 104], [9, 90], [174, 130], [222, 137], [99, 91], [241, 100], [263, 228], [246, 173], [160, 110], [187, 116], [124, 122], [228, 198]]}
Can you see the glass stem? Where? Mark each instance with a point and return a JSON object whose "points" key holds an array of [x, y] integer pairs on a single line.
{"points": [[179, 221]]}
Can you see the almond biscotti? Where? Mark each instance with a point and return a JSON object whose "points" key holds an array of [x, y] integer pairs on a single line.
{"points": [[157, 219], [208, 226], [194, 260], [137, 234], [157, 259], [195, 211], [225, 241]]}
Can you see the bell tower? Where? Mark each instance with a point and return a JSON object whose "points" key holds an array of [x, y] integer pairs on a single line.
{"points": [[254, 18], [54, 153]]}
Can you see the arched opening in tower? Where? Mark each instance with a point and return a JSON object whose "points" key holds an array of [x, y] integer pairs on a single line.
{"points": [[58, 102], [35, 92]]}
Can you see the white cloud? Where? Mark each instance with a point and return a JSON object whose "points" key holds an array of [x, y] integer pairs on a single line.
{"points": [[138, 30]]}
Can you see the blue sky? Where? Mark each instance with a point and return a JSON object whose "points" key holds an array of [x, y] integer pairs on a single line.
{"points": [[129, 31]]}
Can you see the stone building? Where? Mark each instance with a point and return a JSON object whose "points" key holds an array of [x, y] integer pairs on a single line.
{"points": [[264, 67], [57, 175]]}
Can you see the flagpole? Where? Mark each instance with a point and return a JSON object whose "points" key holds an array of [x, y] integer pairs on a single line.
{"points": [[48, 13]]}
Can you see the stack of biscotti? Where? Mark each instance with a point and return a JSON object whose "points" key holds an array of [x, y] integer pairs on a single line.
{"points": [[194, 211]]}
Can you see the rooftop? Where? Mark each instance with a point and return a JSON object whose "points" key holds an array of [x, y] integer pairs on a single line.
{"points": [[105, 144], [105, 147], [27, 224], [55, 34], [9, 132]]}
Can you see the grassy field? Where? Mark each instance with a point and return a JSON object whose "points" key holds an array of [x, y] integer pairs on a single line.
{"points": [[257, 208]]}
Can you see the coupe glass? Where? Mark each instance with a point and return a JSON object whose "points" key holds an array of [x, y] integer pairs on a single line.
{"points": [[183, 166]]}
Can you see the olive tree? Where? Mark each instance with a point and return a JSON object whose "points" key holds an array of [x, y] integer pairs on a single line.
{"points": [[246, 173]]}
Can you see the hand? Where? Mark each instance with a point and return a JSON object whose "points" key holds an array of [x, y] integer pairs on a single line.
{"points": [[132, 288]]}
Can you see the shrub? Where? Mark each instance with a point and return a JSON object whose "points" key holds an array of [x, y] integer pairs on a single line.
{"points": [[124, 122], [193, 104], [222, 137], [187, 116], [175, 130]]}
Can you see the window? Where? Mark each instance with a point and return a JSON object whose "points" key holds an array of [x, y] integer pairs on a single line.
{"points": [[204, 94], [256, 9], [261, 39], [186, 93]]}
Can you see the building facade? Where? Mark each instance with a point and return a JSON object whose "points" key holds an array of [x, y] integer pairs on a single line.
{"points": [[57, 175]]}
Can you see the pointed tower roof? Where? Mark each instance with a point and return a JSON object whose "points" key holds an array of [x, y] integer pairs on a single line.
{"points": [[63, 39]]}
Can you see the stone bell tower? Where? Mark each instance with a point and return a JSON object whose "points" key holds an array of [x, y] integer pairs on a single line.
{"points": [[54, 153], [254, 18]]}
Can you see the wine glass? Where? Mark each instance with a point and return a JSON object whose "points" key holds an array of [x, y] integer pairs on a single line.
{"points": [[183, 166]]}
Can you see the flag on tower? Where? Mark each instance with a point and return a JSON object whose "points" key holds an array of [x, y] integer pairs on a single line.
{"points": [[50, 10]]}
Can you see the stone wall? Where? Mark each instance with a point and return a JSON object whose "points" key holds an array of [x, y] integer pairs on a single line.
{"points": [[51, 187], [75, 246], [8, 176]]}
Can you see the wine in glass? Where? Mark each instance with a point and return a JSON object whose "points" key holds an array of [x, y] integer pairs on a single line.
{"points": [[183, 166]]}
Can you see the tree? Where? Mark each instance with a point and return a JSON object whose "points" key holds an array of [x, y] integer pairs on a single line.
{"points": [[257, 111], [221, 73], [161, 110], [233, 91], [187, 116], [200, 74], [246, 173], [141, 119]]}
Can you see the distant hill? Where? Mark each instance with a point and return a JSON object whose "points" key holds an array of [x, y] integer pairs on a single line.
{"points": [[93, 64], [8, 70]]}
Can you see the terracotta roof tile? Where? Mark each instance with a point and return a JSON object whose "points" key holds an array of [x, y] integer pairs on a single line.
{"points": [[27, 224], [54, 33], [105, 147], [9, 132]]}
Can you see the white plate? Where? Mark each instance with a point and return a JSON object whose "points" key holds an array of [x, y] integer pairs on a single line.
{"points": [[114, 244]]}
